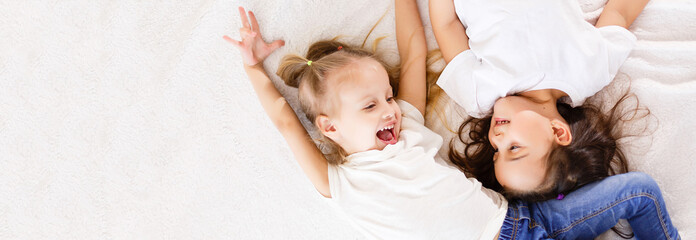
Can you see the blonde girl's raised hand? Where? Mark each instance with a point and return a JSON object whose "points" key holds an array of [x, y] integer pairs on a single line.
{"points": [[254, 50]]}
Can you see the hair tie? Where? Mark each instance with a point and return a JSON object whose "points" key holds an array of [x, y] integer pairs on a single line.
{"points": [[560, 196], [340, 47], [309, 63]]}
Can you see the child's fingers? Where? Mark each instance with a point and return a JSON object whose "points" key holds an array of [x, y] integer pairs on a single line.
{"points": [[276, 44], [245, 20], [232, 41], [254, 23], [247, 33]]}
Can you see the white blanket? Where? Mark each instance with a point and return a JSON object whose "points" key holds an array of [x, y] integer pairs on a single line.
{"points": [[134, 119]]}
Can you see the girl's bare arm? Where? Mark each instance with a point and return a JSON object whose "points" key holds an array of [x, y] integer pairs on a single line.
{"points": [[621, 12], [254, 50], [449, 31], [410, 38]]}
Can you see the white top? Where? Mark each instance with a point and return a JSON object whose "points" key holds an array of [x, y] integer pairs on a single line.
{"points": [[519, 46], [402, 192]]}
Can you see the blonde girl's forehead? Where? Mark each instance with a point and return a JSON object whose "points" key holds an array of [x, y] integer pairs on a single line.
{"points": [[359, 69]]}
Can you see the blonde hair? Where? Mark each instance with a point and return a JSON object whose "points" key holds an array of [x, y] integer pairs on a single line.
{"points": [[327, 56], [310, 79]]}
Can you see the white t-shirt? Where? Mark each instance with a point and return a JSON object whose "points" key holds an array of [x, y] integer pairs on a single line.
{"points": [[403, 192], [519, 46]]}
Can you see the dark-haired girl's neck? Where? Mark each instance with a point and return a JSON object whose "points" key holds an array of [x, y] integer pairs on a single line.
{"points": [[544, 95]]}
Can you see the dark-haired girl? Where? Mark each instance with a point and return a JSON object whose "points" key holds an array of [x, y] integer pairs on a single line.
{"points": [[523, 70]]}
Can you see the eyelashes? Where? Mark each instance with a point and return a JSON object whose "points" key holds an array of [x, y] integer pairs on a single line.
{"points": [[512, 148], [372, 105]]}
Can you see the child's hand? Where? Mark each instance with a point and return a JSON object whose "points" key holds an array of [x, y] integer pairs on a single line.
{"points": [[254, 50]]}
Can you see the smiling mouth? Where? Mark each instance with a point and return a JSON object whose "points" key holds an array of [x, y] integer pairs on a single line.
{"points": [[387, 134], [501, 121]]}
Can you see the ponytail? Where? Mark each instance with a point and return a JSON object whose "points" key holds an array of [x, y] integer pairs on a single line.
{"points": [[292, 69], [308, 75]]}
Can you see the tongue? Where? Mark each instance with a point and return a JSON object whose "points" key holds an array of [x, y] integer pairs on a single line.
{"points": [[385, 135]]}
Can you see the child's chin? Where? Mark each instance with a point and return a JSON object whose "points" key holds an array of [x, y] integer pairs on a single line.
{"points": [[380, 145]]}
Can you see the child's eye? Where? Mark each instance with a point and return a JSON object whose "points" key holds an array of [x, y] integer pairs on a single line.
{"points": [[390, 99], [514, 147], [372, 105]]}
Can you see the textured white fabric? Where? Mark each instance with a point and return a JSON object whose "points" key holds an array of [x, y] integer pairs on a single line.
{"points": [[135, 120], [519, 46], [402, 192]]}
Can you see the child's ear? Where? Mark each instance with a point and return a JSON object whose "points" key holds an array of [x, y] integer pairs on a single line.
{"points": [[326, 127], [561, 132]]}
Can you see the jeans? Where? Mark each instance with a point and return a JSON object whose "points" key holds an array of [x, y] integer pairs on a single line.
{"points": [[593, 209]]}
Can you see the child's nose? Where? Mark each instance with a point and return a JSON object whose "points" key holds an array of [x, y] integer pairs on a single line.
{"points": [[388, 113], [498, 130]]}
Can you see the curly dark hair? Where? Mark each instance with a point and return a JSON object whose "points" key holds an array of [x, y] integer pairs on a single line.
{"points": [[593, 154]]}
